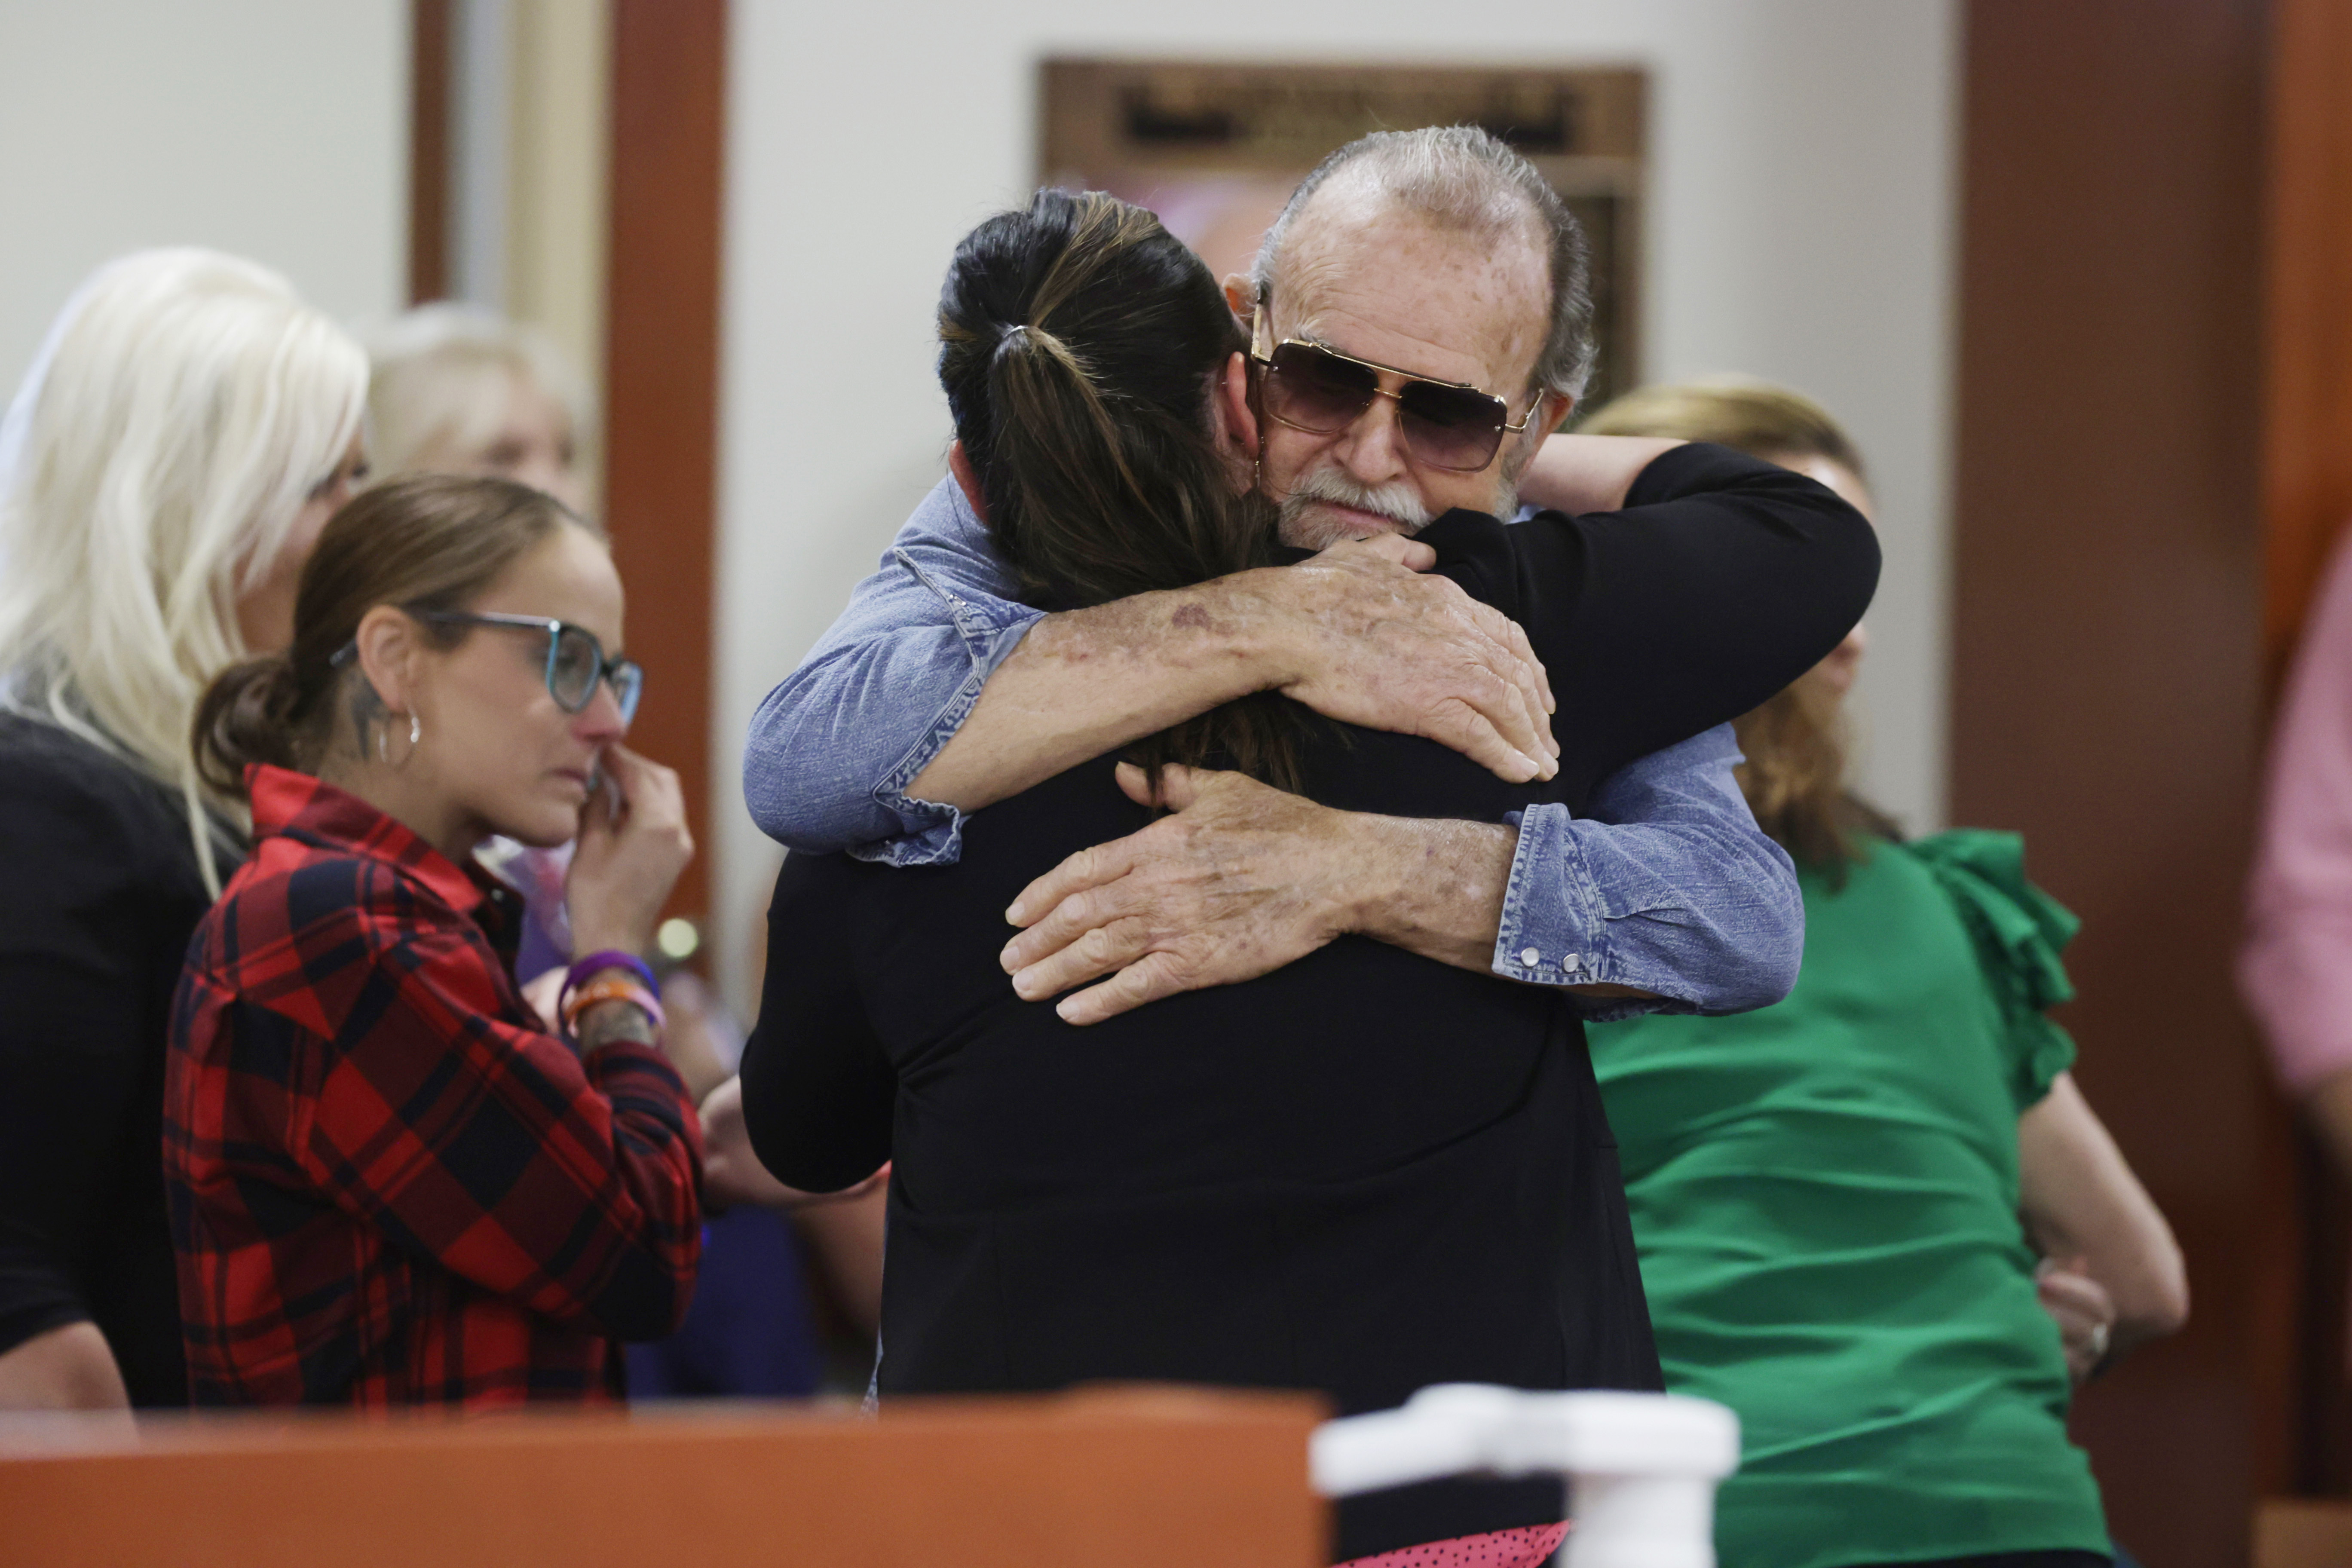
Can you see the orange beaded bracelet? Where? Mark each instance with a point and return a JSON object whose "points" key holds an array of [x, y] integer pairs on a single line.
{"points": [[610, 989]]}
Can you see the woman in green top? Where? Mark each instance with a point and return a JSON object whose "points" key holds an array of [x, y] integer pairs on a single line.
{"points": [[1878, 1220]]}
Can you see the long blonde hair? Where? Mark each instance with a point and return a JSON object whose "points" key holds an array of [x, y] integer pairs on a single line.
{"points": [[1798, 743], [189, 404]]}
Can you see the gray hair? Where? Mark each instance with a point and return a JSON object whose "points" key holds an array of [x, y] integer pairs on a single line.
{"points": [[441, 376], [1465, 178]]}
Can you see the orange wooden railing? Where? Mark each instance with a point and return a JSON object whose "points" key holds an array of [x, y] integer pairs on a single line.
{"points": [[1135, 1479]]}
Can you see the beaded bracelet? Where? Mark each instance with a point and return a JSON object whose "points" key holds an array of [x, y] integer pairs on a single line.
{"points": [[611, 958], [596, 963], [614, 990]]}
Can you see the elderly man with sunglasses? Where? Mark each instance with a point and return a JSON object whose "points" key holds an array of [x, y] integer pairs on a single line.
{"points": [[1402, 368]]}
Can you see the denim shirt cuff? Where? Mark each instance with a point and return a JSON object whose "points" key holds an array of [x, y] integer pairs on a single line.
{"points": [[1555, 926], [933, 832], [1551, 932]]}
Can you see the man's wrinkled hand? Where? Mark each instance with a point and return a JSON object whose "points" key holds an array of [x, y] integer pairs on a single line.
{"points": [[1239, 879], [1381, 645]]}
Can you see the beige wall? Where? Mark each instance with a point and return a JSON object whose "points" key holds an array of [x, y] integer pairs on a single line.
{"points": [[275, 128], [557, 207], [1801, 221], [550, 89]]}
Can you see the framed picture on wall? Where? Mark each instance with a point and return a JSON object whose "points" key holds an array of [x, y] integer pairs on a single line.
{"points": [[1216, 148]]}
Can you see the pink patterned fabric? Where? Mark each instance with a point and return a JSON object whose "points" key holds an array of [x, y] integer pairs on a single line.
{"points": [[1530, 1548], [2295, 969]]}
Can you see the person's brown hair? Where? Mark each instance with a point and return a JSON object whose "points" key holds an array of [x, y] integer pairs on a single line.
{"points": [[426, 545], [1079, 345], [1799, 742]]}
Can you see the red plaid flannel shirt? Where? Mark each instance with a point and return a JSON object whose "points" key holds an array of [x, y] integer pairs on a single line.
{"points": [[389, 1184]]}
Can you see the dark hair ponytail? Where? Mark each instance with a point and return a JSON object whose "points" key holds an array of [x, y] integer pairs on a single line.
{"points": [[1079, 345], [434, 542]]}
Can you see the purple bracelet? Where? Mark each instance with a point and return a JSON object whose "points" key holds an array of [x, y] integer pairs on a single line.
{"points": [[596, 963], [612, 958]]}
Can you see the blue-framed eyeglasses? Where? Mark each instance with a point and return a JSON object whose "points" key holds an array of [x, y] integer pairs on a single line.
{"points": [[575, 658]]}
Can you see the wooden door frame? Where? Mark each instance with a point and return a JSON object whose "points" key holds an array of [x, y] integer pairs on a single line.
{"points": [[661, 381], [428, 150]]}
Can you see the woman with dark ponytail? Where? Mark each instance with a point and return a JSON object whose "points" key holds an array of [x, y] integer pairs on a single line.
{"points": [[1366, 1171], [389, 1183], [1052, 444]]}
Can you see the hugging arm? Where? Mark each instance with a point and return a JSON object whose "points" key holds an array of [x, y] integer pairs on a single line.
{"points": [[1720, 580], [818, 1094], [938, 693], [833, 749], [1353, 633], [1723, 580], [1668, 897], [1668, 892]]}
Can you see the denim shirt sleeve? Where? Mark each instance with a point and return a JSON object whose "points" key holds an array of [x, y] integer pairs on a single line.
{"points": [[1668, 887], [832, 749]]}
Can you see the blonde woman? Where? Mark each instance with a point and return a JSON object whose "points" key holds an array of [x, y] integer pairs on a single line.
{"points": [[461, 390], [164, 470], [1877, 1218]]}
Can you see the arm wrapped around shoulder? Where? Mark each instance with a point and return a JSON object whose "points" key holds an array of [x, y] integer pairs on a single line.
{"points": [[1668, 889], [818, 1092]]}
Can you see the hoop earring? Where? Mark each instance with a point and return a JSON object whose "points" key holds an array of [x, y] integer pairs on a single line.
{"points": [[382, 736]]}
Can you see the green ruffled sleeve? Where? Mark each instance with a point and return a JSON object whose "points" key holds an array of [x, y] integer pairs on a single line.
{"points": [[2019, 931]]}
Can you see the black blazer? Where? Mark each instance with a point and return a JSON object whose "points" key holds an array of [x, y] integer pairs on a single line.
{"points": [[103, 894], [1362, 1174]]}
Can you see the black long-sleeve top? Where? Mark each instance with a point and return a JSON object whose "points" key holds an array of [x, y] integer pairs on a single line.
{"points": [[103, 892], [1364, 1173]]}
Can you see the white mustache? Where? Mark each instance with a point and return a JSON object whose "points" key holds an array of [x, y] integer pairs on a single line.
{"points": [[1399, 502]]}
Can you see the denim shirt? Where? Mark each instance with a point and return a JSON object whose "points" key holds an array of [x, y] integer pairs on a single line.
{"points": [[1668, 885]]}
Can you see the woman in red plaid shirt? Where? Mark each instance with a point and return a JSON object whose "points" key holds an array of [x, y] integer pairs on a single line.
{"points": [[389, 1182]]}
